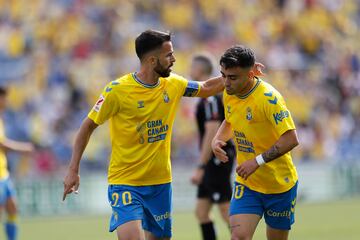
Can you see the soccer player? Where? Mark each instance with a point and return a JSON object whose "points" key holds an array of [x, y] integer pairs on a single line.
{"points": [[212, 176], [257, 119], [7, 191], [141, 108]]}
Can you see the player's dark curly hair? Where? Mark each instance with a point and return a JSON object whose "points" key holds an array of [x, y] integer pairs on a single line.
{"points": [[238, 56], [150, 40]]}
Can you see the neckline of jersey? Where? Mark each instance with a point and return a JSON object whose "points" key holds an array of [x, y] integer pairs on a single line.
{"points": [[144, 84], [252, 90]]}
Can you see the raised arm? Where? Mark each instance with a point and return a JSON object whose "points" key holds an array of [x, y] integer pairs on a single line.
{"points": [[72, 178], [211, 87], [11, 145], [223, 135]]}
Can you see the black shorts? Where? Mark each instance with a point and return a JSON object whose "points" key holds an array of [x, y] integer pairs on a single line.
{"points": [[216, 184], [218, 193]]}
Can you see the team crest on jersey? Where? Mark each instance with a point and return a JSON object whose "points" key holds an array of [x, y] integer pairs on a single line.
{"points": [[99, 103], [141, 104], [166, 97], [248, 114], [228, 109]]}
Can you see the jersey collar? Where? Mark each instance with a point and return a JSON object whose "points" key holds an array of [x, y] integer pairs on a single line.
{"points": [[144, 84], [252, 89]]}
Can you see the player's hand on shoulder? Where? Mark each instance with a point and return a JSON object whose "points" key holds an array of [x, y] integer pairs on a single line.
{"points": [[247, 168], [71, 183], [220, 154], [197, 176], [258, 69]]}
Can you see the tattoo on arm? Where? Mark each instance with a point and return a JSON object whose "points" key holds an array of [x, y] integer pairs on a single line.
{"points": [[272, 153]]}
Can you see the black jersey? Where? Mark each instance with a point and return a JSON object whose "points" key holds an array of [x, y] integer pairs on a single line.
{"points": [[212, 109]]}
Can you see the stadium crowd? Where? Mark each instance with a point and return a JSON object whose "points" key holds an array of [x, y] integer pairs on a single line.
{"points": [[56, 56]]}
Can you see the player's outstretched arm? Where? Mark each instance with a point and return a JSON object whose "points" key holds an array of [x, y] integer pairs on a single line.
{"points": [[11, 145], [72, 178], [284, 144], [216, 85], [211, 87], [222, 136]]}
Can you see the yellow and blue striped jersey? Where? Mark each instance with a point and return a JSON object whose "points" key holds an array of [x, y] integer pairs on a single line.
{"points": [[141, 120], [258, 120], [3, 162]]}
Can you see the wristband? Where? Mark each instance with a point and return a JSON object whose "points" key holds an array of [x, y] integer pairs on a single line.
{"points": [[260, 160]]}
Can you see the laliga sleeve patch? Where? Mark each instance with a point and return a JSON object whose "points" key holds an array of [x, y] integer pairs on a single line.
{"points": [[99, 103]]}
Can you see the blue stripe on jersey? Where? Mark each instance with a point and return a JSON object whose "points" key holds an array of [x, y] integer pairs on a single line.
{"points": [[253, 89], [144, 84], [192, 89]]}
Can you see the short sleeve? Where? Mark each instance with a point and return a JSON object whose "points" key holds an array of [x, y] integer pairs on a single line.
{"points": [[106, 106], [186, 88], [277, 113]]}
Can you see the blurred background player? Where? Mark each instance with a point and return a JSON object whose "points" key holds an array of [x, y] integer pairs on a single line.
{"points": [[258, 120], [212, 176], [7, 191]]}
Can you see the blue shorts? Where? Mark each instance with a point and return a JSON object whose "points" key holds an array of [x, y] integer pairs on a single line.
{"points": [[7, 190], [278, 209], [151, 204]]}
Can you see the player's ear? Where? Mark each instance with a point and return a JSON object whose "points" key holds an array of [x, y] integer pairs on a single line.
{"points": [[152, 60]]}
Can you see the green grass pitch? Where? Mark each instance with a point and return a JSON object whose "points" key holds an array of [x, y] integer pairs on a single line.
{"points": [[330, 221]]}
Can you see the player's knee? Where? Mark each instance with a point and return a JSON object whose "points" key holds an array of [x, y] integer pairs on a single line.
{"points": [[131, 236], [12, 211], [202, 215], [10, 207], [225, 215], [130, 233], [240, 234]]}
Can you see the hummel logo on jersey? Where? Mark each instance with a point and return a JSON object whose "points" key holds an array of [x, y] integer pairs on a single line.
{"points": [[270, 94], [273, 101], [278, 117], [141, 104]]}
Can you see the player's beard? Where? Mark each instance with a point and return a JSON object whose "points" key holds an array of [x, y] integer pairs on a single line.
{"points": [[163, 72], [229, 91]]}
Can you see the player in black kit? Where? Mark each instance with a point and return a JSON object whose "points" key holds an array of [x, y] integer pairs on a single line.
{"points": [[212, 176]]}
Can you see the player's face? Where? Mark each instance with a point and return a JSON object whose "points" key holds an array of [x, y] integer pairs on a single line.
{"points": [[196, 71], [236, 79], [165, 60]]}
